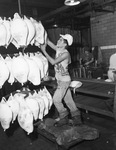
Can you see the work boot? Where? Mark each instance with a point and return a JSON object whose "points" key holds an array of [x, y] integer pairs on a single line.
{"points": [[76, 120], [62, 121]]}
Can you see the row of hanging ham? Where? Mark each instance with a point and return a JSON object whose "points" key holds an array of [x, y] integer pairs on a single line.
{"points": [[21, 31], [26, 109], [31, 67]]}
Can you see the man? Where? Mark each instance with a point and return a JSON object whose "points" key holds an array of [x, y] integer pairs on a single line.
{"points": [[86, 62], [61, 62], [87, 58]]}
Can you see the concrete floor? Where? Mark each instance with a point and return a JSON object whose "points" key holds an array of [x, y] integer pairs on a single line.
{"points": [[16, 138]]}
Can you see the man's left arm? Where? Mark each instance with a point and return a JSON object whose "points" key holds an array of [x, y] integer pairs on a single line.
{"points": [[50, 59]]}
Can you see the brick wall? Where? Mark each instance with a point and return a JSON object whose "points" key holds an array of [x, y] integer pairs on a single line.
{"points": [[103, 29], [103, 34]]}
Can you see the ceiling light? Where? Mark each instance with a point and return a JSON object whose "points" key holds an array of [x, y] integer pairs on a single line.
{"points": [[71, 2], [55, 25]]}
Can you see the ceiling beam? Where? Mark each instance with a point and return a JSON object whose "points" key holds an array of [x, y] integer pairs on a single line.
{"points": [[44, 4], [52, 13]]}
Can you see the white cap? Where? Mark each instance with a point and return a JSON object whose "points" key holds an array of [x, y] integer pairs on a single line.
{"points": [[67, 37]]}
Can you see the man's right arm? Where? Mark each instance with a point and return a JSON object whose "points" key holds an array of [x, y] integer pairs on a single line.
{"points": [[52, 45]]}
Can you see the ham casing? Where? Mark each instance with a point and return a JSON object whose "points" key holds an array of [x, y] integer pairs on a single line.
{"points": [[25, 117], [4, 72], [33, 106], [19, 31], [32, 31], [14, 106], [5, 114], [20, 69]]}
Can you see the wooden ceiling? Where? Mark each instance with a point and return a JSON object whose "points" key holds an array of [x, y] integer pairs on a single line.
{"points": [[54, 11], [78, 17], [29, 7]]}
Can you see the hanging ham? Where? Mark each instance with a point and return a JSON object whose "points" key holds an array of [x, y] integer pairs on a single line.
{"points": [[20, 69], [4, 72], [46, 102], [33, 106], [3, 33], [39, 63], [14, 106], [45, 62], [48, 95], [39, 37], [19, 31], [32, 31], [25, 117], [34, 71], [8, 61], [41, 104], [5, 114], [7, 24]]}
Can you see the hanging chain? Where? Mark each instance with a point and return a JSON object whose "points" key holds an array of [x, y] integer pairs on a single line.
{"points": [[19, 5]]}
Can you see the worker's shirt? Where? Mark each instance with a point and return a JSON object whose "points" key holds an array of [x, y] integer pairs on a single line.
{"points": [[61, 69], [86, 58]]}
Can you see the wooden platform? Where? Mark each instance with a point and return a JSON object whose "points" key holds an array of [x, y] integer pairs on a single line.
{"points": [[66, 136]]}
